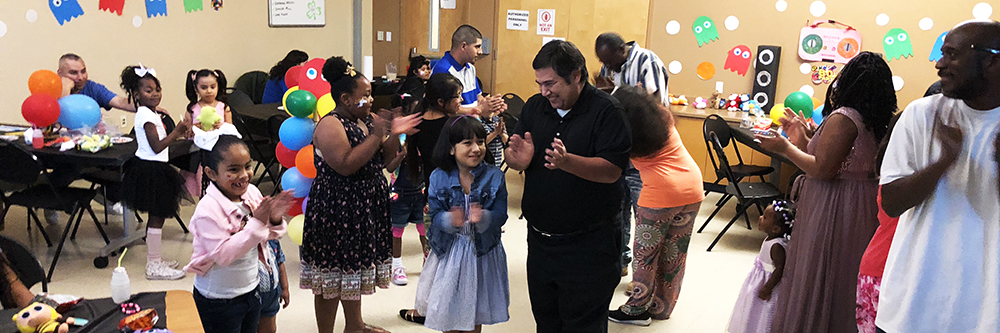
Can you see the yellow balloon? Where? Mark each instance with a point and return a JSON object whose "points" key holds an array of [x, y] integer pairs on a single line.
{"points": [[325, 104], [816, 103], [776, 112], [285, 98], [295, 228]]}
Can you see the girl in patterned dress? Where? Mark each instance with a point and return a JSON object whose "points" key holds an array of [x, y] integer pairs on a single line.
{"points": [[346, 246]]}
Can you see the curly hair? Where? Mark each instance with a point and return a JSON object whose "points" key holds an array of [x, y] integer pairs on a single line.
{"points": [[131, 82], [865, 84], [650, 123], [335, 71], [785, 213]]}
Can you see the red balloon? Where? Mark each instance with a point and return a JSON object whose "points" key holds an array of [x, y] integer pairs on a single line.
{"points": [[47, 82], [296, 208], [40, 110], [292, 76], [285, 156]]}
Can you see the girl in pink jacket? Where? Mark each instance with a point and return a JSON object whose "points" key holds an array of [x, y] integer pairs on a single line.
{"points": [[231, 225]]}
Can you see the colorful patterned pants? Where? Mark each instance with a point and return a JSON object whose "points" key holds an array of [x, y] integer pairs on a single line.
{"points": [[661, 243], [866, 304]]}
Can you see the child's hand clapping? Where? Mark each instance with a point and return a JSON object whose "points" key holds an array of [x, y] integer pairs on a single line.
{"points": [[457, 217], [475, 213], [279, 206]]}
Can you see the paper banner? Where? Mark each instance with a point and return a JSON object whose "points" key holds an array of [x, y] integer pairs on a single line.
{"points": [[739, 60], [217, 4], [65, 10], [193, 5], [706, 70], [704, 30], [156, 8], [112, 6], [936, 51], [896, 44]]}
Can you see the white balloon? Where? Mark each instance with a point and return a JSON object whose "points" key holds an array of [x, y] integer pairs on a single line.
{"points": [[137, 21], [673, 27], [926, 24], [674, 67], [982, 11], [897, 83], [808, 90], [3, 29], [31, 15], [817, 8], [732, 23], [781, 5], [882, 19], [805, 68]]}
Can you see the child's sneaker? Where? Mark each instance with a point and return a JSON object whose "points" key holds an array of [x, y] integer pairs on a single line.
{"points": [[158, 270], [170, 263], [399, 276], [619, 316]]}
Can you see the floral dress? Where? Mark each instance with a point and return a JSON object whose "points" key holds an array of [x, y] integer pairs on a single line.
{"points": [[346, 240]]}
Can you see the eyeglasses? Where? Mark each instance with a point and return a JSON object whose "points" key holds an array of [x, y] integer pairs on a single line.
{"points": [[984, 49]]}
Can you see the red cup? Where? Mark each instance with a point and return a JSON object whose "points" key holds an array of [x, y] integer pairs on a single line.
{"points": [[37, 140]]}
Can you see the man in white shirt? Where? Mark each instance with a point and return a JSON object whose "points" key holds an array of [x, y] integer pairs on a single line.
{"points": [[940, 177]]}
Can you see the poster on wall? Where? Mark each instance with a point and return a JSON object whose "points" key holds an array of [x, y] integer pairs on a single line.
{"points": [[517, 19], [838, 45], [296, 13], [546, 22]]}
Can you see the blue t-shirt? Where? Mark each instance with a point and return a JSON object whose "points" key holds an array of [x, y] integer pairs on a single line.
{"points": [[99, 93], [465, 74], [274, 91]]}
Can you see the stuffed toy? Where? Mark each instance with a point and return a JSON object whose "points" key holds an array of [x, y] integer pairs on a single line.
{"points": [[41, 318], [700, 103], [713, 102], [208, 117]]}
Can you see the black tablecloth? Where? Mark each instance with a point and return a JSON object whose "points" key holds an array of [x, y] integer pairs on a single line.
{"points": [[102, 313]]}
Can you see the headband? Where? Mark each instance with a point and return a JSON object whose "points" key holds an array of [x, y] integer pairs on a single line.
{"points": [[206, 140], [141, 71], [457, 118]]}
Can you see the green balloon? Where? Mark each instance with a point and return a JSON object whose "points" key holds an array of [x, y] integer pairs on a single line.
{"points": [[301, 103], [800, 103]]}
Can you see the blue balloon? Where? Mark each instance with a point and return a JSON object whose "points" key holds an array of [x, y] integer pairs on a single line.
{"points": [[296, 133], [295, 181], [78, 111], [818, 114]]}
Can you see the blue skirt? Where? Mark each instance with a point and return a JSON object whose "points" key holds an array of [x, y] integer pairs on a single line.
{"points": [[460, 290]]}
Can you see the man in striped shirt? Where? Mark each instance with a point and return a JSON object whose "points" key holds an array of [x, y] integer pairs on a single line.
{"points": [[627, 64]]}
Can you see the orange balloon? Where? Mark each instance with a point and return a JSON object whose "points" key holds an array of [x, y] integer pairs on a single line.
{"points": [[304, 161], [706, 70], [47, 82]]}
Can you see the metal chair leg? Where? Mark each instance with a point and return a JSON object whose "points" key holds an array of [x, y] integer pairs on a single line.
{"points": [[181, 222], [723, 232], [96, 223], [31, 215], [62, 242], [710, 217]]}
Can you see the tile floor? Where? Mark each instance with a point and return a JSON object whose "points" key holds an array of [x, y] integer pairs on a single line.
{"points": [[710, 286]]}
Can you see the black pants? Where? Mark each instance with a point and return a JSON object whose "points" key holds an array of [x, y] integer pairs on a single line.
{"points": [[571, 279], [235, 315]]}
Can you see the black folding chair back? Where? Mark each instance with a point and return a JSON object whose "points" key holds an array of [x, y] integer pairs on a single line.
{"points": [[237, 98], [513, 113], [747, 194], [719, 126], [28, 269], [252, 84]]}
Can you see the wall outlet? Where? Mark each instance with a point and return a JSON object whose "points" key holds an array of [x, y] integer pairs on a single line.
{"points": [[124, 122]]}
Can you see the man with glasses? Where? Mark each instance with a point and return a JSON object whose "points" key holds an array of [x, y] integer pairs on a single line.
{"points": [[940, 177]]}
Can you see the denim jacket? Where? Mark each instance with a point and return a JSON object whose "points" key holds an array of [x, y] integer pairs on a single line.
{"points": [[489, 190]]}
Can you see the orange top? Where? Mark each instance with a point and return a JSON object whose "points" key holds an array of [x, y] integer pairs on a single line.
{"points": [[670, 177]]}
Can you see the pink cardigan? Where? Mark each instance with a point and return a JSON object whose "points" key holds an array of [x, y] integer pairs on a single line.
{"points": [[216, 223]]}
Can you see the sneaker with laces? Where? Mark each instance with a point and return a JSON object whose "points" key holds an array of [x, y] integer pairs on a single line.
{"points": [[158, 270], [170, 263], [399, 276], [619, 316]]}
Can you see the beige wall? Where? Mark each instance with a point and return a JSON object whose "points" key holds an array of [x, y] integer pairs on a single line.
{"points": [[235, 39], [762, 24]]}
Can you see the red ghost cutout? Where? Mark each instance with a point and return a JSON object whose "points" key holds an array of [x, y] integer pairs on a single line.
{"points": [[738, 60], [112, 6], [311, 79]]}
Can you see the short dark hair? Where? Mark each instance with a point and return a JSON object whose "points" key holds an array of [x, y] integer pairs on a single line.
{"points": [[191, 90], [212, 158], [69, 56], [292, 59], [465, 34], [415, 64], [455, 130], [564, 58], [610, 40], [650, 123]]}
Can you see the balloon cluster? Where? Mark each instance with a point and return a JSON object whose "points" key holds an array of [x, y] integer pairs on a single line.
{"points": [[44, 107], [295, 149], [800, 103]]}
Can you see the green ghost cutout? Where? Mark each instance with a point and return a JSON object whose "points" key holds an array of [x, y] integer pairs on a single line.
{"points": [[208, 118], [896, 44], [193, 5], [704, 30]]}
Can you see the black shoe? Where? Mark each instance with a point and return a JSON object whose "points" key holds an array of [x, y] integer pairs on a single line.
{"points": [[414, 317], [621, 317]]}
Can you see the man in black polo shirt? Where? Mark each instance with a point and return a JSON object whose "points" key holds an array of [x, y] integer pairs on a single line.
{"points": [[572, 142]]}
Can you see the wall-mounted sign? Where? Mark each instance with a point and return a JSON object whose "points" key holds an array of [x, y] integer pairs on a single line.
{"points": [[517, 19], [838, 45], [547, 22]]}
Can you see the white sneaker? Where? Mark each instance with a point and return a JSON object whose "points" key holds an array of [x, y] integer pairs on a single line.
{"points": [[115, 209], [158, 270], [51, 216], [399, 276], [170, 263]]}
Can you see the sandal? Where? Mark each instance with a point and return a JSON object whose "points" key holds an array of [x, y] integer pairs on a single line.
{"points": [[412, 316]]}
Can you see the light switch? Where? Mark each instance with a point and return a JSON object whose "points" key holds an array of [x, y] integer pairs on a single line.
{"points": [[381, 35], [718, 87], [388, 36]]}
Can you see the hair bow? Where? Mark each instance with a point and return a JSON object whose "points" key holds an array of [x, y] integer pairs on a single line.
{"points": [[350, 71], [141, 71]]}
